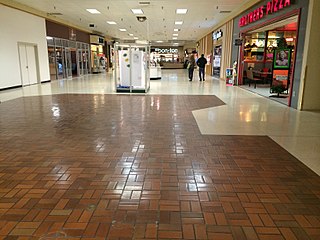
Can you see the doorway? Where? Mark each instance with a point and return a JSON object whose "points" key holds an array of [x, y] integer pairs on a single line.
{"points": [[29, 68]]}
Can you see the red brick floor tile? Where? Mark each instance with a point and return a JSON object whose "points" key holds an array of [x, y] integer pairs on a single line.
{"points": [[115, 167]]}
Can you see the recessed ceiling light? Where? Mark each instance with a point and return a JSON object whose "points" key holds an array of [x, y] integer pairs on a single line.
{"points": [[174, 38], [175, 34], [111, 22], [123, 30], [159, 41], [181, 11], [137, 11], [136, 38], [130, 34], [93, 11], [176, 30], [178, 22]]}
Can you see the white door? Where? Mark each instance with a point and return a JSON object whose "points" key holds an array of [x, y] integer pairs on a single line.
{"points": [[23, 65], [32, 64], [28, 64]]}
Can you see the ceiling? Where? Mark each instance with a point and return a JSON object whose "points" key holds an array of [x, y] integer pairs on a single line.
{"points": [[161, 15]]}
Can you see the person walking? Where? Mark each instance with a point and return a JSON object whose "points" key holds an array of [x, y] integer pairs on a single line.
{"points": [[191, 65], [202, 64]]}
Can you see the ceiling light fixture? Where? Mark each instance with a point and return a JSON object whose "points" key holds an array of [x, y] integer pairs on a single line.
{"points": [[122, 30], [175, 34], [130, 34], [111, 22], [176, 30], [159, 41], [178, 22], [135, 38], [93, 11], [174, 38], [181, 11], [137, 11]]}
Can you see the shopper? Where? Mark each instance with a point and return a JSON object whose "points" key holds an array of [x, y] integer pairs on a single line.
{"points": [[191, 65], [202, 64]]}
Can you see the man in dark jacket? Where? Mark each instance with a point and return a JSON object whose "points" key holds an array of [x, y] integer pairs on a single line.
{"points": [[201, 64]]}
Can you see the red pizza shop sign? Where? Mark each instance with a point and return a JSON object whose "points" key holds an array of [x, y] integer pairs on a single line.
{"points": [[271, 7]]}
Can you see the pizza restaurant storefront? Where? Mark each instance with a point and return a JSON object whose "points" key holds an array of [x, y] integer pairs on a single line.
{"points": [[272, 35]]}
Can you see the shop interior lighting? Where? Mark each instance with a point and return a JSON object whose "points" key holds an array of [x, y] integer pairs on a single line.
{"points": [[181, 11], [137, 11], [122, 30], [289, 39], [178, 22], [93, 11], [111, 22]]}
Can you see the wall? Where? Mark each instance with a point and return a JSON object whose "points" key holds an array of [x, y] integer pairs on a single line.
{"points": [[301, 5], [226, 48], [17, 26], [205, 47], [310, 81], [62, 31]]}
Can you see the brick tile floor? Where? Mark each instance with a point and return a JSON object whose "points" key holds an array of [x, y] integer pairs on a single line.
{"points": [[137, 167]]}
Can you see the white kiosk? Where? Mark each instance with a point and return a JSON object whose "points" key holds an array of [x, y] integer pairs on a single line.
{"points": [[132, 68]]}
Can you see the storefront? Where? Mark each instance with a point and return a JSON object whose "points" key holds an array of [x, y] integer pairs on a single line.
{"points": [[167, 57], [68, 51], [272, 36], [98, 62], [217, 52], [216, 47]]}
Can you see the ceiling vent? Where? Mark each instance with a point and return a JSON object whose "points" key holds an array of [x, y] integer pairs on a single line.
{"points": [[144, 3], [54, 14], [225, 12]]}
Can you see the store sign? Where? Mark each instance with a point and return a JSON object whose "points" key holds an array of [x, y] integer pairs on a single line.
{"points": [[166, 50], [271, 7], [216, 35]]}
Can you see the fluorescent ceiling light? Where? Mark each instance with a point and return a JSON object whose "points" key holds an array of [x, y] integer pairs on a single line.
{"points": [[111, 22], [93, 11], [174, 38], [136, 38], [130, 34], [137, 11], [178, 22], [175, 34], [181, 11], [122, 30], [176, 30], [49, 38], [175, 43], [159, 41]]}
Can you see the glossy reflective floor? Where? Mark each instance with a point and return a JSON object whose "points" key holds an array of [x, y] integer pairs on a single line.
{"points": [[189, 160]]}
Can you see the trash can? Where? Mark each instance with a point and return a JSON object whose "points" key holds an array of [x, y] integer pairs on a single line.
{"points": [[229, 76]]}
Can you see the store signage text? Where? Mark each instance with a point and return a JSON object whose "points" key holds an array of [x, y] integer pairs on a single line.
{"points": [[217, 34], [271, 7], [166, 50]]}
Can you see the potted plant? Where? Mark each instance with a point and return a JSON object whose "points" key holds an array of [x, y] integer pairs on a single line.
{"points": [[278, 89]]}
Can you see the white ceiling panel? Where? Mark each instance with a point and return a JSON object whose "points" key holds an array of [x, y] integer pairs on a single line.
{"points": [[201, 17]]}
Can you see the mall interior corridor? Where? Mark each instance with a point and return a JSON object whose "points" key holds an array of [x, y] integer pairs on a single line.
{"points": [[187, 160]]}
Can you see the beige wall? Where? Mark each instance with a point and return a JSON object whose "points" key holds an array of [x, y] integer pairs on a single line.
{"points": [[205, 46], [226, 48], [310, 94]]}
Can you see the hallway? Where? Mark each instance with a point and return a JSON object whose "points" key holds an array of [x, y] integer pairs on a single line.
{"points": [[188, 160]]}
